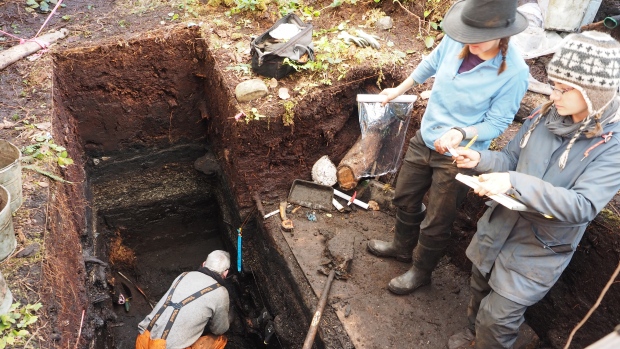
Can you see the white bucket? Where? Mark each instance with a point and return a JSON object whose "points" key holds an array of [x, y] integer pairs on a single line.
{"points": [[7, 234], [11, 172], [6, 297], [568, 15]]}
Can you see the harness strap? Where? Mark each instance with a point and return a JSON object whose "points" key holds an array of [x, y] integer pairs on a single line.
{"points": [[168, 298], [178, 305]]}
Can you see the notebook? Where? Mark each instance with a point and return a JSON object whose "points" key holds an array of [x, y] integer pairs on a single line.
{"points": [[503, 199]]}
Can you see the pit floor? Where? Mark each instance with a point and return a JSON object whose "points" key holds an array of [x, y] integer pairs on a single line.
{"points": [[372, 316]]}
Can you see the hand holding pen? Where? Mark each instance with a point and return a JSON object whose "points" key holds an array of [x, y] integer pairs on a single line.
{"points": [[456, 154]]}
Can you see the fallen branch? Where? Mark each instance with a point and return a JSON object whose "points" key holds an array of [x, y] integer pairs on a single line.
{"points": [[20, 51], [137, 288], [598, 302], [80, 331], [413, 14], [47, 174]]}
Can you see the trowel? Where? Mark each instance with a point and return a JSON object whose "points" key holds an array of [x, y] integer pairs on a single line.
{"points": [[287, 224]]}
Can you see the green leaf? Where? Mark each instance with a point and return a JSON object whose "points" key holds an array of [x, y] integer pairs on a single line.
{"points": [[429, 41], [44, 7], [66, 17], [426, 13], [31, 3], [28, 320], [62, 162], [34, 307], [22, 333], [434, 25], [63, 154]]}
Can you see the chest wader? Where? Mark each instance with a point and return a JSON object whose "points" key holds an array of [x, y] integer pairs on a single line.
{"points": [[144, 340], [406, 233]]}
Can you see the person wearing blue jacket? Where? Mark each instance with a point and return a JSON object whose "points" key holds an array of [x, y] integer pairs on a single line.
{"points": [[562, 164], [480, 80]]}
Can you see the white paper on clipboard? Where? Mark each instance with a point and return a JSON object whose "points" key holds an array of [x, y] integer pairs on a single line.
{"points": [[502, 199]]}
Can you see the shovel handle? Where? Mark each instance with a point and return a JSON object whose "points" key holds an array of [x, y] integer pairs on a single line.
{"points": [[314, 326]]}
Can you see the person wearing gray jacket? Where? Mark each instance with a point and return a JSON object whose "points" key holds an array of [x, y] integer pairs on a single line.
{"points": [[563, 164], [195, 299]]}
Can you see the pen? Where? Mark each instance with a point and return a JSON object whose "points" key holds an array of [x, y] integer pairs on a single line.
{"points": [[471, 141]]}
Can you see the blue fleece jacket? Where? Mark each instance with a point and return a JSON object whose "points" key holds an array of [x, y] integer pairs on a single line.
{"points": [[478, 97]]}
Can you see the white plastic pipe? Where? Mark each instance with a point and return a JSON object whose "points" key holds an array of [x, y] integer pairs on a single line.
{"points": [[337, 205], [348, 198]]}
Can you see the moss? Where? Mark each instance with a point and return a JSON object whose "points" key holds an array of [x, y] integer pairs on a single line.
{"points": [[289, 115], [611, 217]]}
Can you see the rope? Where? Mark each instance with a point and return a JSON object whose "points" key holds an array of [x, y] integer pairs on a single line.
{"points": [[42, 44]]}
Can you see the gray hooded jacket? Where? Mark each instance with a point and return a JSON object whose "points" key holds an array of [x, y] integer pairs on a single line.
{"points": [[211, 309], [525, 252]]}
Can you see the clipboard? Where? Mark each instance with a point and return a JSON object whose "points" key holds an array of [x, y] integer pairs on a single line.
{"points": [[503, 199]]}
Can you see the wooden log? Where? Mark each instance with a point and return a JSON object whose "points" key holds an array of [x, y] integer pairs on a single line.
{"points": [[358, 159], [20, 51]]}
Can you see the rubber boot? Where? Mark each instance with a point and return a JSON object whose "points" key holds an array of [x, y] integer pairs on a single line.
{"points": [[426, 256], [406, 233]]}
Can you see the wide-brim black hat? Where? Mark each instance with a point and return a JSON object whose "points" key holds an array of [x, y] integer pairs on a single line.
{"points": [[476, 21]]}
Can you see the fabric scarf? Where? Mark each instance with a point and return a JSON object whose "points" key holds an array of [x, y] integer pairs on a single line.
{"points": [[564, 126], [217, 277]]}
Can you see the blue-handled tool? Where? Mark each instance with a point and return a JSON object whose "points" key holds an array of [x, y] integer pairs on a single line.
{"points": [[239, 250]]}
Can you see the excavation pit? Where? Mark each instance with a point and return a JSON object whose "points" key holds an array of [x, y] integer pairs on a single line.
{"points": [[155, 217], [137, 114]]}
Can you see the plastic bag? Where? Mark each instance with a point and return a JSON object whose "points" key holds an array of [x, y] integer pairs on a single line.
{"points": [[384, 130]]}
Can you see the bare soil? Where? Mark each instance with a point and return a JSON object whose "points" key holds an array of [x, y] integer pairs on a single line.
{"points": [[123, 83]]}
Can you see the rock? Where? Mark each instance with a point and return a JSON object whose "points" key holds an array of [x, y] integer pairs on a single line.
{"points": [[250, 90], [347, 310], [29, 250], [324, 171], [385, 23], [208, 165], [341, 250]]}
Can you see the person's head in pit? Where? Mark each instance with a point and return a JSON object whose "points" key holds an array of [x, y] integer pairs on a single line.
{"points": [[218, 261]]}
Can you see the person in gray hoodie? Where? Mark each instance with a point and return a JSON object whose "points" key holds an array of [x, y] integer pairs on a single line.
{"points": [[562, 164], [195, 299]]}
